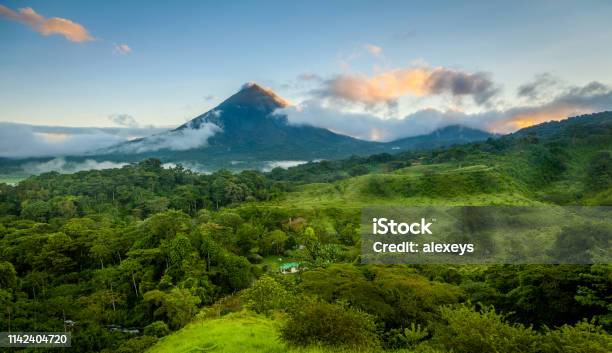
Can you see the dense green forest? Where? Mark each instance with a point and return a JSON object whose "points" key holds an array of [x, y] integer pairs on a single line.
{"points": [[145, 257]]}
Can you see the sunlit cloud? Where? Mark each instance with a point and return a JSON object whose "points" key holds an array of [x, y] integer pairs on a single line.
{"points": [[578, 100], [373, 49], [72, 31], [388, 86]]}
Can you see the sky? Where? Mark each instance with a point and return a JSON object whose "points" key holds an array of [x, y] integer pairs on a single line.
{"points": [[391, 68]]}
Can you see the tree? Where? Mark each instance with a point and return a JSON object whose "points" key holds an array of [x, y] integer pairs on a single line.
{"points": [[177, 306], [236, 271], [165, 225], [266, 295], [599, 174], [274, 241], [180, 248], [8, 275], [311, 242], [157, 329], [317, 323], [467, 330], [36, 210]]}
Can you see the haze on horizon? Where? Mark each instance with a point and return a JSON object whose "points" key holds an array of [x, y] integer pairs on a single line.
{"points": [[372, 71]]}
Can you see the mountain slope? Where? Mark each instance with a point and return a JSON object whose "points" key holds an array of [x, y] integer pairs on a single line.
{"points": [[246, 132], [589, 125], [246, 126], [446, 136]]}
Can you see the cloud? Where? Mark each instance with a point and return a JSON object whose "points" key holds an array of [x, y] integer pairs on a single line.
{"points": [[593, 97], [367, 126], [72, 31], [309, 77], [373, 49], [176, 140], [405, 35], [125, 120], [122, 49], [388, 86], [457, 83], [269, 165], [21, 140], [541, 86], [62, 166]]}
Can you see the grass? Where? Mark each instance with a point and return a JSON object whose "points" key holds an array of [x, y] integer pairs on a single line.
{"points": [[351, 192], [241, 332]]}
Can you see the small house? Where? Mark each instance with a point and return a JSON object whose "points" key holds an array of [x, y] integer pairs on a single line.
{"points": [[290, 267]]}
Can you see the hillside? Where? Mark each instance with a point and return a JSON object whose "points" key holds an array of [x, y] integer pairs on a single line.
{"points": [[168, 259], [446, 136], [238, 332]]}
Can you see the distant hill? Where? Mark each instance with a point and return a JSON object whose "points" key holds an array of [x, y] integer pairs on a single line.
{"points": [[589, 125], [450, 135]]}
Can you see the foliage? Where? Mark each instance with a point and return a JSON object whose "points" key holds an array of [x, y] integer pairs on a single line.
{"points": [[467, 330], [312, 323], [266, 295], [156, 329], [145, 246]]}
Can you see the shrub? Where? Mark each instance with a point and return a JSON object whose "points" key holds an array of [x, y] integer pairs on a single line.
{"points": [[136, 344], [408, 337], [582, 337], [266, 295], [318, 323], [467, 330], [157, 329]]}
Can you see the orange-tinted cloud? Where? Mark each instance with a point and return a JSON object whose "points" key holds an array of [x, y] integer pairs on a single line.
{"points": [[578, 100], [72, 31], [373, 49], [518, 120], [380, 88], [590, 98], [388, 86]]}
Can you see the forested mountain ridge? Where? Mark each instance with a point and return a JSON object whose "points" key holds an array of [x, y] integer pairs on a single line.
{"points": [[151, 249]]}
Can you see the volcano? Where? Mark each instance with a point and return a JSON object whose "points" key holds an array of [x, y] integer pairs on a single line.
{"points": [[250, 126], [248, 122]]}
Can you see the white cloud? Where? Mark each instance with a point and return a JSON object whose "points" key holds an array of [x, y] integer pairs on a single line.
{"points": [[269, 165], [62, 166], [122, 49], [21, 140], [124, 120], [177, 140]]}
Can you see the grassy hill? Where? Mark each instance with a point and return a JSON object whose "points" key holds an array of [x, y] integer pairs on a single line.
{"points": [[444, 183], [243, 332]]}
